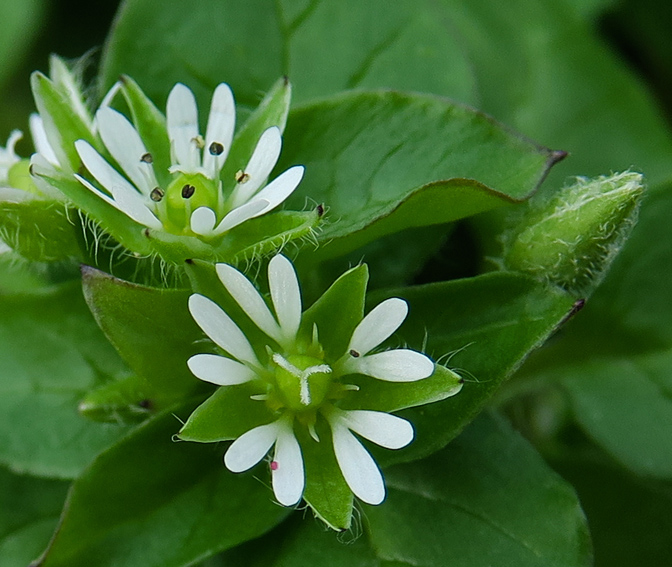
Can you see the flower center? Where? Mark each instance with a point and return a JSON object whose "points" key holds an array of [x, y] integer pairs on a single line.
{"points": [[186, 193], [19, 177], [303, 381]]}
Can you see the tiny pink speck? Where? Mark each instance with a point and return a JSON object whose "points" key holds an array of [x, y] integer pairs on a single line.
{"points": [[274, 465]]}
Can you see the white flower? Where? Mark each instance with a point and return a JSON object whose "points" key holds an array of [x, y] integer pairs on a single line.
{"points": [[300, 382], [194, 202]]}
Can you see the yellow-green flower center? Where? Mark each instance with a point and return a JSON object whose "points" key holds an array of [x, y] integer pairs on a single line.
{"points": [[303, 381], [186, 193], [19, 177]]}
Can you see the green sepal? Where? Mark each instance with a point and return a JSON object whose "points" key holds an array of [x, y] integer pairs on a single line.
{"points": [[272, 111], [153, 332], [337, 312], [62, 122], [42, 230], [393, 396], [251, 240], [123, 401], [64, 80], [326, 491], [226, 415], [150, 123], [121, 227]]}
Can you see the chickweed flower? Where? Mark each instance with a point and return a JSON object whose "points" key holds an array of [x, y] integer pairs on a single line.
{"points": [[303, 383], [193, 202]]}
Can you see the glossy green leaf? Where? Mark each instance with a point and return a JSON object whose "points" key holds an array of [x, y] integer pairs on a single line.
{"points": [[40, 230], [538, 66], [52, 353], [153, 331], [29, 510], [151, 501], [419, 160], [485, 326], [487, 499]]}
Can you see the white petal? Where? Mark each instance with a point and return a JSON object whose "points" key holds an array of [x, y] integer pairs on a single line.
{"points": [[182, 123], [220, 370], [203, 221], [378, 325], [263, 160], [287, 474], [109, 97], [131, 206], [240, 215], [104, 173], [401, 365], [358, 467], [277, 191], [40, 140], [383, 429], [124, 143], [247, 296], [286, 295], [221, 123], [221, 329], [251, 447]]}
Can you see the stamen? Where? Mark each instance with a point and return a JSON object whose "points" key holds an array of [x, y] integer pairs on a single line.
{"points": [[313, 432], [354, 353], [147, 158], [259, 397], [199, 141], [216, 149], [242, 177], [157, 194], [274, 465], [188, 191]]}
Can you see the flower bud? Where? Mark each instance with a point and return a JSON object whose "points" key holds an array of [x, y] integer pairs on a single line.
{"points": [[571, 239]]}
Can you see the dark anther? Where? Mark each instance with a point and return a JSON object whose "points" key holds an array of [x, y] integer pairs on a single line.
{"points": [[146, 232], [189, 261], [320, 210], [188, 191], [31, 169], [147, 158], [156, 194], [145, 404], [242, 177], [461, 380], [216, 149], [354, 353]]}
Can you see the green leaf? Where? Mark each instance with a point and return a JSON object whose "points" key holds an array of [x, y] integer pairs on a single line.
{"points": [[52, 353], [272, 111], [540, 66], [337, 312], [488, 324], [420, 160], [154, 333], [29, 509], [41, 230], [20, 22], [153, 502], [487, 499]]}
